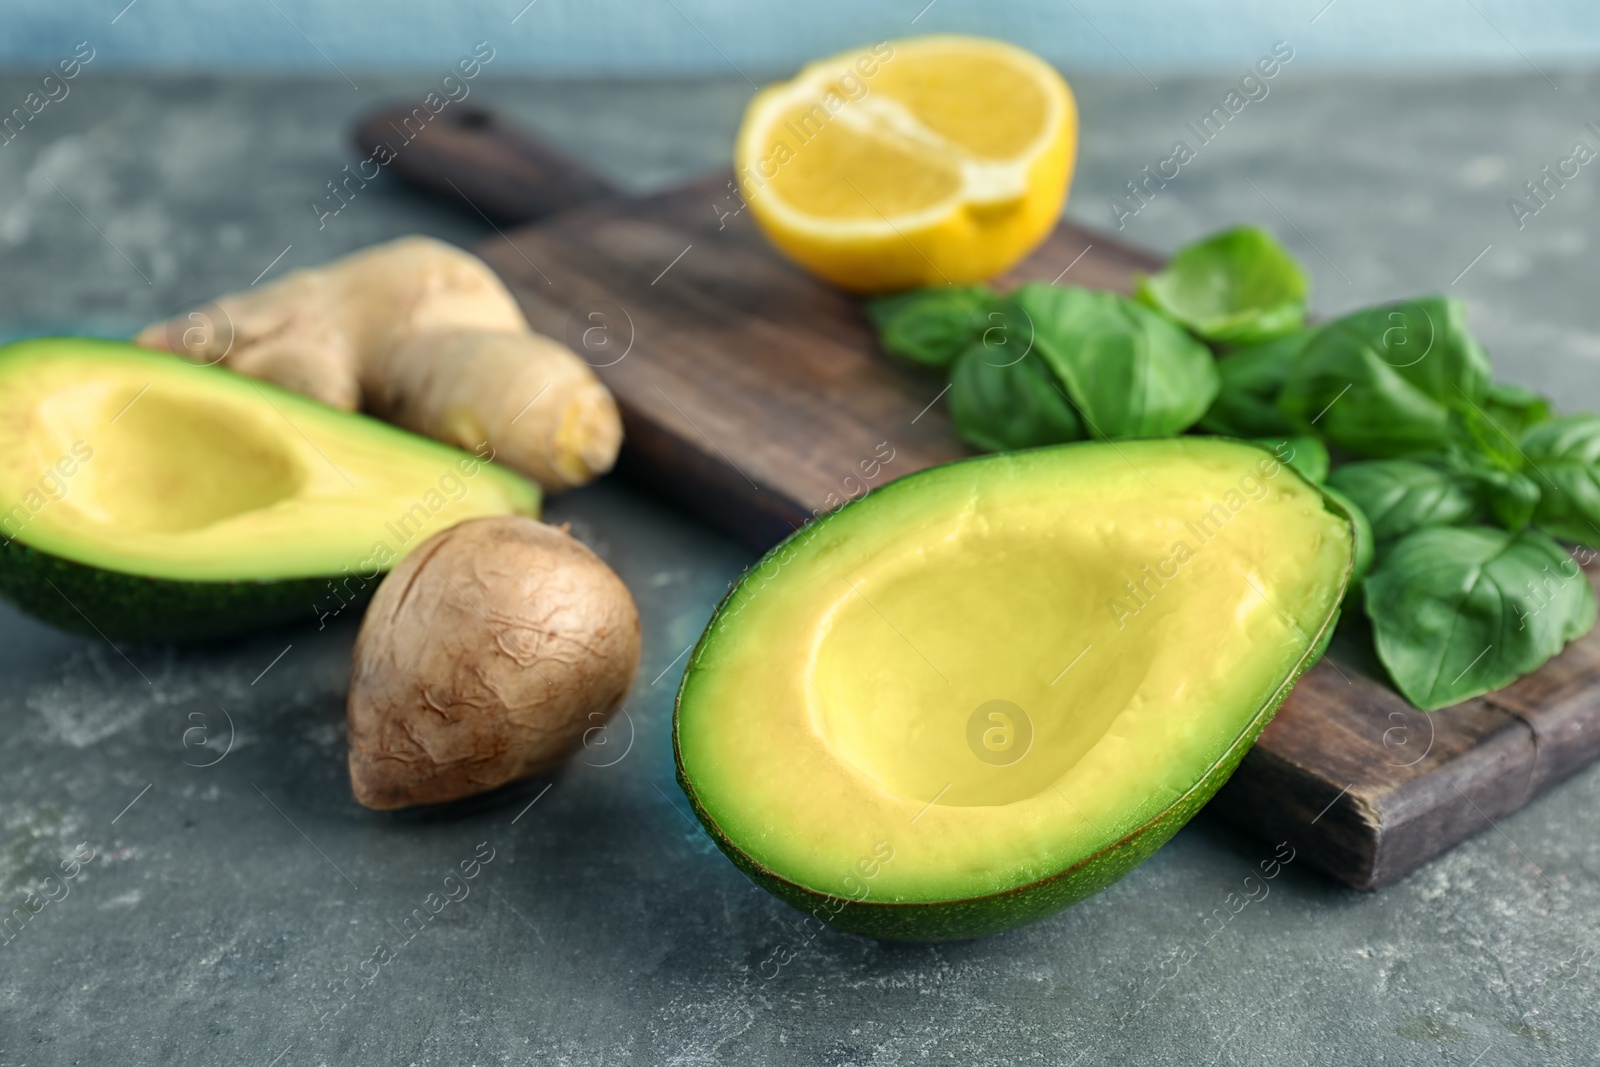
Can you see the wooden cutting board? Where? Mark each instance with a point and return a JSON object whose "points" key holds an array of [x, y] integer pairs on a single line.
{"points": [[756, 396]]}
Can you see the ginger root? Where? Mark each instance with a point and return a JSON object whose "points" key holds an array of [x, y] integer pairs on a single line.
{"points": [[421, 334]]}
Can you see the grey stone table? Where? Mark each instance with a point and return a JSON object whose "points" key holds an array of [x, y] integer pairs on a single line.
{"points": [[231, 911]]}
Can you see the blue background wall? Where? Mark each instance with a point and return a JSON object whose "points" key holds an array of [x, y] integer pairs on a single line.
{"points": [[648, 38]]}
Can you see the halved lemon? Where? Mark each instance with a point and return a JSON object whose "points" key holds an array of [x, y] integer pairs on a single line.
{"points": [[928, 161]]}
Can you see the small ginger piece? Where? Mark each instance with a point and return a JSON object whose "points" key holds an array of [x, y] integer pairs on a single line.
{"points": [[422, 334], [486, 656], [540, 408]]}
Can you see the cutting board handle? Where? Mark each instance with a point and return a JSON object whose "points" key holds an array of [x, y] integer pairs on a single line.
{"points": [[472, 154]]}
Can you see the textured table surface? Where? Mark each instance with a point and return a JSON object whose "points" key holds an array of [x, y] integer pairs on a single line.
{"points": [[231, 912]]}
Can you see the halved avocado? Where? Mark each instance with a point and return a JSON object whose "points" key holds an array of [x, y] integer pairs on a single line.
{"points": [[145, 497], [990, 689]]}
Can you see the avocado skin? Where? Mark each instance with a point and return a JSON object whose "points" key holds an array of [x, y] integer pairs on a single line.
{"points": [[961, 920], [128, 607]]}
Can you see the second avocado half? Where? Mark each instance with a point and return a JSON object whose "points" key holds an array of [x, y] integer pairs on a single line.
{"points": [[991, 689]]}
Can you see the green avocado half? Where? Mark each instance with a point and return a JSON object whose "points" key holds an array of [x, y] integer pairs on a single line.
{"points": [[143, 497], [990, 689]]}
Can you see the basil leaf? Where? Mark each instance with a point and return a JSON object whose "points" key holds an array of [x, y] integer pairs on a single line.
{"points": [[1460, 610], [1514, 409], [934, 326], [1511, 497], [1247, 403], [1505, 494], [1129, 371], [998, 406], [1479, 434], [1384, 381], [1564, 457], [1304, 453], [1400, 495], [1491, 429], [1239, 286]]}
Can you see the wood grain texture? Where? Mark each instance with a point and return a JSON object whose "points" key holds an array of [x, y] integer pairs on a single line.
{"points": [[757, 396]]}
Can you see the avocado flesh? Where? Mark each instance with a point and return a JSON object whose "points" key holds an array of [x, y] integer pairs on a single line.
{"points": [[826, 716], [142, 496]]}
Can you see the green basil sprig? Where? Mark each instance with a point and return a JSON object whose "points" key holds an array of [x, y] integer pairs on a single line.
{"points": [[1384, 381], [1506, 494], [1458, 611], [1239, 286], [998, 405], [1129, 371], [934, 326], [1251, 380], [1563, 457], [1402, 495]]}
